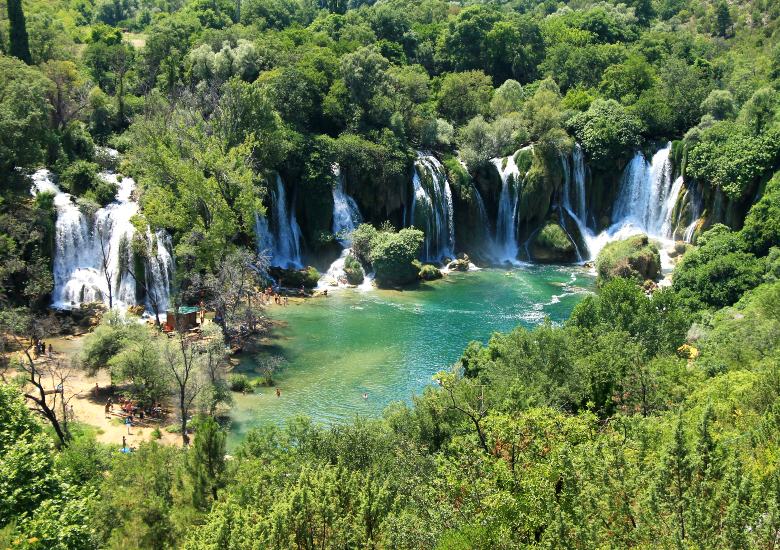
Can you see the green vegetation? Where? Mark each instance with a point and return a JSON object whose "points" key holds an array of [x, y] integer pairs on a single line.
{"points": [[430, 272], [391, 255], [553, 245], [643, 421], [353, 270], [634, 258]]}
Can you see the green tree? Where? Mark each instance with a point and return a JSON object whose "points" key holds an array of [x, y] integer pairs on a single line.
{"points": [[606, 131], [24, 115], [462, 96], [19, 44], [723, 21]]}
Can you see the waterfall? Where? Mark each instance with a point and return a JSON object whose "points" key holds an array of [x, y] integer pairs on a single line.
{"points": [[645, 201], [696, 206], [281, 239], [346, 217], [431, 209], [346, 214], [646, 193], [86, 248], [506, 248]]}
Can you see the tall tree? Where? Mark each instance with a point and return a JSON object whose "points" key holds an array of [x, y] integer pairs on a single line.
{"points": [[19, 44]]}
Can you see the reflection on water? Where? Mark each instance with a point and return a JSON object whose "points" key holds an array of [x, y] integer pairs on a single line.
{"points": [[388, 344]]}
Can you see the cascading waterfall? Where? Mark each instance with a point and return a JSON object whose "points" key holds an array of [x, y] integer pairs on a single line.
{"points": [[431, 208], [644, 204], [578, 165], [346, 214], [86, 249], [281, 239], [506, 248], [346, 217], [696, 206], [646, 197]]}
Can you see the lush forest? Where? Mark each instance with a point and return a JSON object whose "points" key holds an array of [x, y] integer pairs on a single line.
{"points": [[650, 418]]}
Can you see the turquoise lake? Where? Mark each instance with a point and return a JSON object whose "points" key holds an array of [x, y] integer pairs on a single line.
{"points": [[388, 344]]}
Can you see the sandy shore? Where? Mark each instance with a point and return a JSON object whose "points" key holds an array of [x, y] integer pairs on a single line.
{"points": [[88, 405]]}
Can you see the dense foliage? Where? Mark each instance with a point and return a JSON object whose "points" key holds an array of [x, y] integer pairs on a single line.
{"points": [[647, 421]]}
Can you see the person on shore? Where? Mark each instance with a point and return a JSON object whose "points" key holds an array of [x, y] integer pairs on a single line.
{"points": [[286, 301], [51, 351], [108, 408], [129, 423], [97, 389]]}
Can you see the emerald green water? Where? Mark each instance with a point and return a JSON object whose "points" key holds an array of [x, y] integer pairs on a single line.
{"points": [[389, 344]]}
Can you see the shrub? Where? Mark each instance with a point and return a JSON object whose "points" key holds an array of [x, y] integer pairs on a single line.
{"points": [[79, 176], [606, 130], [762, 224], [718, 272], [361, 242], [393, 256], [239, 382], [102, 192], [353, 270], [552, 244], [633, 258], [156, 433], [295, 278]]}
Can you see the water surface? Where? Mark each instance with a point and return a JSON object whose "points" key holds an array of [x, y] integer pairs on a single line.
{"points": [[388, 344]]}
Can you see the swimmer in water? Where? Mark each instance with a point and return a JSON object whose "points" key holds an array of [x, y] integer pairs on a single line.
{"points": [[365, 395]]}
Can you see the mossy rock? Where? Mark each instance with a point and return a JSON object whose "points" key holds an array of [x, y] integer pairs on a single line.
{"points": [[295, 278], [552, 245], [430, 272], [632, 258]]}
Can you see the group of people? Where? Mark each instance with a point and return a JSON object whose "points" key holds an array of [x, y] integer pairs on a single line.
{"points": [[270, 294], [40, 348]]}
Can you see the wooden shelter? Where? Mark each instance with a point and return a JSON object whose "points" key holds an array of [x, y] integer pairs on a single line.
{"points": [[188, 318]]}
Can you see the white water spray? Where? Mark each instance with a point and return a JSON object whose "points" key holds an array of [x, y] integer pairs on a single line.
{"points": [[432, 210], [88, 248]]}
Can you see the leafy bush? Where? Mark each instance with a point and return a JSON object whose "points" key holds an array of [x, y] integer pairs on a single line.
{"points": [[393, 256], [80, 176], [295, 278], [552, 244], [718, 272], [353, 270], [606, 131], [239, 382], [762, 224], [728, 156], [102, 192], [362, 237], [632, 258]]}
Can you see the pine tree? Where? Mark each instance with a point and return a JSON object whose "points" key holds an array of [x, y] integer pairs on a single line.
{"points": [[19, 44], [723, 19]]}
